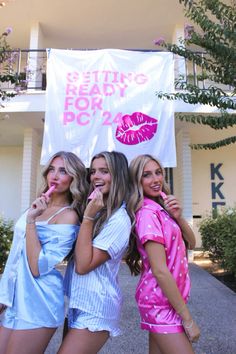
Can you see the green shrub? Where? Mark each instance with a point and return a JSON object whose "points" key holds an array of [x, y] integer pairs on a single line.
{"points": [[219, 238], [6, 235]]}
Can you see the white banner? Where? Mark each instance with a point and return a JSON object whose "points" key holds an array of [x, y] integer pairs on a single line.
{"points": [[105, 99]]}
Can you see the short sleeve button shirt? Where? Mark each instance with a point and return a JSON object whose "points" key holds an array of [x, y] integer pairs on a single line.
{"points": [[153, 223]]}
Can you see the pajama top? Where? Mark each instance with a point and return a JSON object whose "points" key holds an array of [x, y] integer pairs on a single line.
{"points": [[98, 292], [34, 302], [153, 223]]}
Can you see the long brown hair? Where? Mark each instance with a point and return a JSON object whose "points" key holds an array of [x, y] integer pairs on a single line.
{"points": [[117, 165], [135, 202]]}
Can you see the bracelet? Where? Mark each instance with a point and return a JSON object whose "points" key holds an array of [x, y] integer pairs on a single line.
{"points": [[188, 326], [88, 218]]}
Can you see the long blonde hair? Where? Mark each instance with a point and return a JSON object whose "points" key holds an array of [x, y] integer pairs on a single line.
{"points": [[135, 202], [77, 194]]}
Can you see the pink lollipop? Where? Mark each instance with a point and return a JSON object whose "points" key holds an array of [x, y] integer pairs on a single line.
{"points": [[50, 190], [47, 194], [93, 194], [163, 195]]}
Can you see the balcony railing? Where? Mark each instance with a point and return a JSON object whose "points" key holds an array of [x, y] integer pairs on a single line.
{"points": [[30, 65]]}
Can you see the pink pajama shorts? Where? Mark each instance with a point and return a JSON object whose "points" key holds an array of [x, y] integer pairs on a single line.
{"points": [[160, 320]]}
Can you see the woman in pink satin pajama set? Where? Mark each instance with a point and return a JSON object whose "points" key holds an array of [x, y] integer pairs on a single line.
{"points": [[158, 241], [157, 314]]}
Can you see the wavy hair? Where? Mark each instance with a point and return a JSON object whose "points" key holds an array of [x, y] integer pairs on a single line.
{"points": [[135, 202], [79, 186], [117, 165]]}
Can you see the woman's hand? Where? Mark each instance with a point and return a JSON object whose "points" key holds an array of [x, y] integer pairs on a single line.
{"points": [[173, 207], [2, 308], [37, 208], [192, 330], [95, 205]]}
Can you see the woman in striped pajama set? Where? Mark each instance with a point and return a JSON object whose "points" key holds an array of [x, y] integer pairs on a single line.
{"points": [[94, 294]]}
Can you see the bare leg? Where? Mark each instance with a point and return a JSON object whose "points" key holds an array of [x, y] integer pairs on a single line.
{"points": [[29, 341], [153, 347], [5, 334], [82, 341], [174, 343]]}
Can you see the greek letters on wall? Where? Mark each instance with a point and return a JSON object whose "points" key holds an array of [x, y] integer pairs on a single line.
{"points": [[217, 184]]}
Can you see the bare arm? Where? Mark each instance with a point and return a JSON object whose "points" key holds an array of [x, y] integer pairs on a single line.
{"points": [[33, 245], [157, 259], [88, 257], [173, 207]]}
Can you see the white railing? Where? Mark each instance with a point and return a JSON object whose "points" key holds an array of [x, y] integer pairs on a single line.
{"points": [[30, 65]]}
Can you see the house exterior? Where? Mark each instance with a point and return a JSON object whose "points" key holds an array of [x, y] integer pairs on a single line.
{"points": [[202, 179]]}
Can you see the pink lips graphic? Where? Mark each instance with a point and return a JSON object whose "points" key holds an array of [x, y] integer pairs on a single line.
{"points": [[136, 128]]}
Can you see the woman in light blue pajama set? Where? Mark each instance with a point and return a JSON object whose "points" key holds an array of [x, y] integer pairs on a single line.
{"points": [[95, 297], [31, 288]]}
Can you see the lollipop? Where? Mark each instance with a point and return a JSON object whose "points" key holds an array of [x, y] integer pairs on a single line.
{"points": [[93, 194], [50, 190], [163, 195], [47, 194]]}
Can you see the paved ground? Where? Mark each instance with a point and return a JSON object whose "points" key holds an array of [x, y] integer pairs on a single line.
{"points": [[213, 306]]}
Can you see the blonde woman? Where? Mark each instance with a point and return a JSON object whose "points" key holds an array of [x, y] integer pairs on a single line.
{"points": [[158, 242], [31, 287]]}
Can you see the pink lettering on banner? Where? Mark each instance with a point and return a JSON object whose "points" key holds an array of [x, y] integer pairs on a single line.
{"points": [[96, 103], [141, 79], [68, 102], [108, 89], [74, 90], [115, 77], [72, 77], [96, 77], [109, 120], [86, 77], [96, 90], [83, 90], [122, 89], [68, 117], [84, 94], [84, 118], [81, 118], [106, 76], [82, 103]]}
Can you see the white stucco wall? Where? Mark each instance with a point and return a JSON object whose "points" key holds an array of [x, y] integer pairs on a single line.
{"points": [[222, 178], [10, 181], [11, 162]]}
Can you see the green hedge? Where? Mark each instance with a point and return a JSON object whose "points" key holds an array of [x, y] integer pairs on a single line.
{"points": [[219, 238], [6, 234]]}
